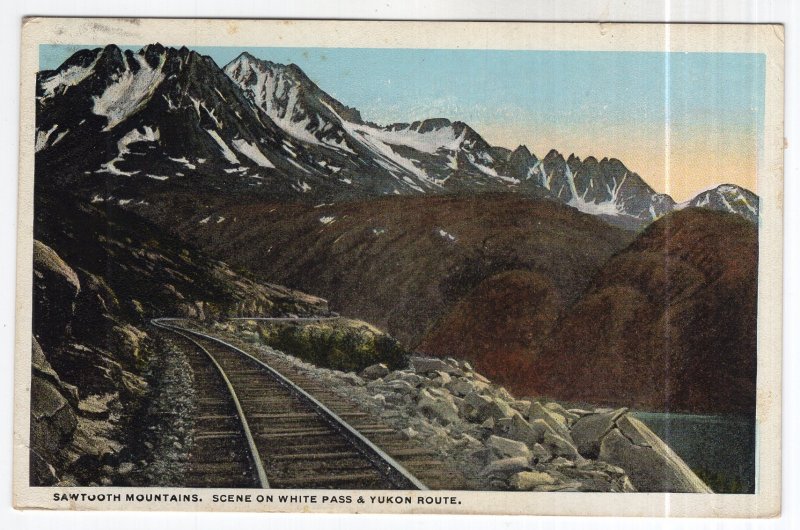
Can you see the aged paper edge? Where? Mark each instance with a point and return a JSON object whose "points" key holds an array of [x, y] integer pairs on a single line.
{"points": [[766, 39]]}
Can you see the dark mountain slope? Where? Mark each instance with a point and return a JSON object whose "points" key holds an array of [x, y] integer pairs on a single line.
{"points": [[400, 263], [667, 324], [498, 326]]}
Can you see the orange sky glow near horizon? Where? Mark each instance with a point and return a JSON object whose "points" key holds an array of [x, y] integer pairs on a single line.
{"points": [[692, 162]]}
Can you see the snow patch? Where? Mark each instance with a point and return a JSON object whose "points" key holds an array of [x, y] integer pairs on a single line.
{"points": [[252, 152], [59, 137], [288, 149], [373, 139], [431, 142], [132, 136], [298, 166], [445, 235], [614, 206], [129, 93], [327, 219], [69, 77], [226, 151], [184, 161], [213, 116], [42, 138]]}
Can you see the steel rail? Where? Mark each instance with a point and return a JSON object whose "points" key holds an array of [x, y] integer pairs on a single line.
{"points": [[393, 470], [251, 443]]}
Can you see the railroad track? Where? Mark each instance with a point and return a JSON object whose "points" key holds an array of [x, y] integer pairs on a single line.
{"points": [[254, 428]]}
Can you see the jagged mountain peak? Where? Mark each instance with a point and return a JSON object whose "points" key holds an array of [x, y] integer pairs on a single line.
{"points": [[523, 152], [730, 198], [552, 156], [275, 86]]}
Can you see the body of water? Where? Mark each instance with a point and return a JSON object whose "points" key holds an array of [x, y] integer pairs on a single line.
{"points": [[719, 448]]}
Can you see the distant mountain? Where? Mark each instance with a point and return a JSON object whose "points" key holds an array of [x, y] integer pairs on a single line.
{"points": [[120, 125], [427, 156], [606, 188], [727, 198]]}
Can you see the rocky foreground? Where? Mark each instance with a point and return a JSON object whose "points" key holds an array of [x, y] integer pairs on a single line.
{"points": [[507, 443]]}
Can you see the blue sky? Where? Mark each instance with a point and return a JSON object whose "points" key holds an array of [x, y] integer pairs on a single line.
{"points": [[591, 103]]}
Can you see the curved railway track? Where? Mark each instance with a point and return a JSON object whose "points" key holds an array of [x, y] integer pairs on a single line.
{"points": [[256, 428]]}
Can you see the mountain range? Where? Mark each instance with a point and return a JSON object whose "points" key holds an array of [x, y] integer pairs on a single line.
{"points": [[114, 124]]}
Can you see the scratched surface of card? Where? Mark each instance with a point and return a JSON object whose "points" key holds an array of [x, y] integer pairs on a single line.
{"points": [[510, 268]]}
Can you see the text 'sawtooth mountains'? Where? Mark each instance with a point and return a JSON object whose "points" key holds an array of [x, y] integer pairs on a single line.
{"points": [[118, 123]]}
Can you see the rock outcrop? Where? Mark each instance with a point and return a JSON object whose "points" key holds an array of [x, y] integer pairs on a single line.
{"points": [[620, 439], [53, 417], [56, 288]]}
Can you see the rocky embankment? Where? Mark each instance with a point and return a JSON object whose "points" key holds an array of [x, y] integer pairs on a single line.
{"points": [[507, 443], [99, 275]]}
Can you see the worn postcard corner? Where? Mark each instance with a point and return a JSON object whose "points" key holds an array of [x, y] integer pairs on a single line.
{"points": [[399, 267]]}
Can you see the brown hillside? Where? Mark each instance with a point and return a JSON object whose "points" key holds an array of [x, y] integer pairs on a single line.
{"points": [[668, 324], [495, 326], [401, 263]]}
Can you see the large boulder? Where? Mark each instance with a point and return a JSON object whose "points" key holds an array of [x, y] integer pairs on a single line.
{"points": [[126, 343], [588, 431], [505, 467], [55, 289], [460, 386], [528, 480], [53, 419], [375, 371], [42, 369], [429, 365], [560, 446], [516, 428], [619, 439], [440, 407], [555, 421], [651, 465], [506, 447], [479, 408]]}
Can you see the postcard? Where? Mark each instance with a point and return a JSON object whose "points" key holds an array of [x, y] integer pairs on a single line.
{"points": [[400, 267]]}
